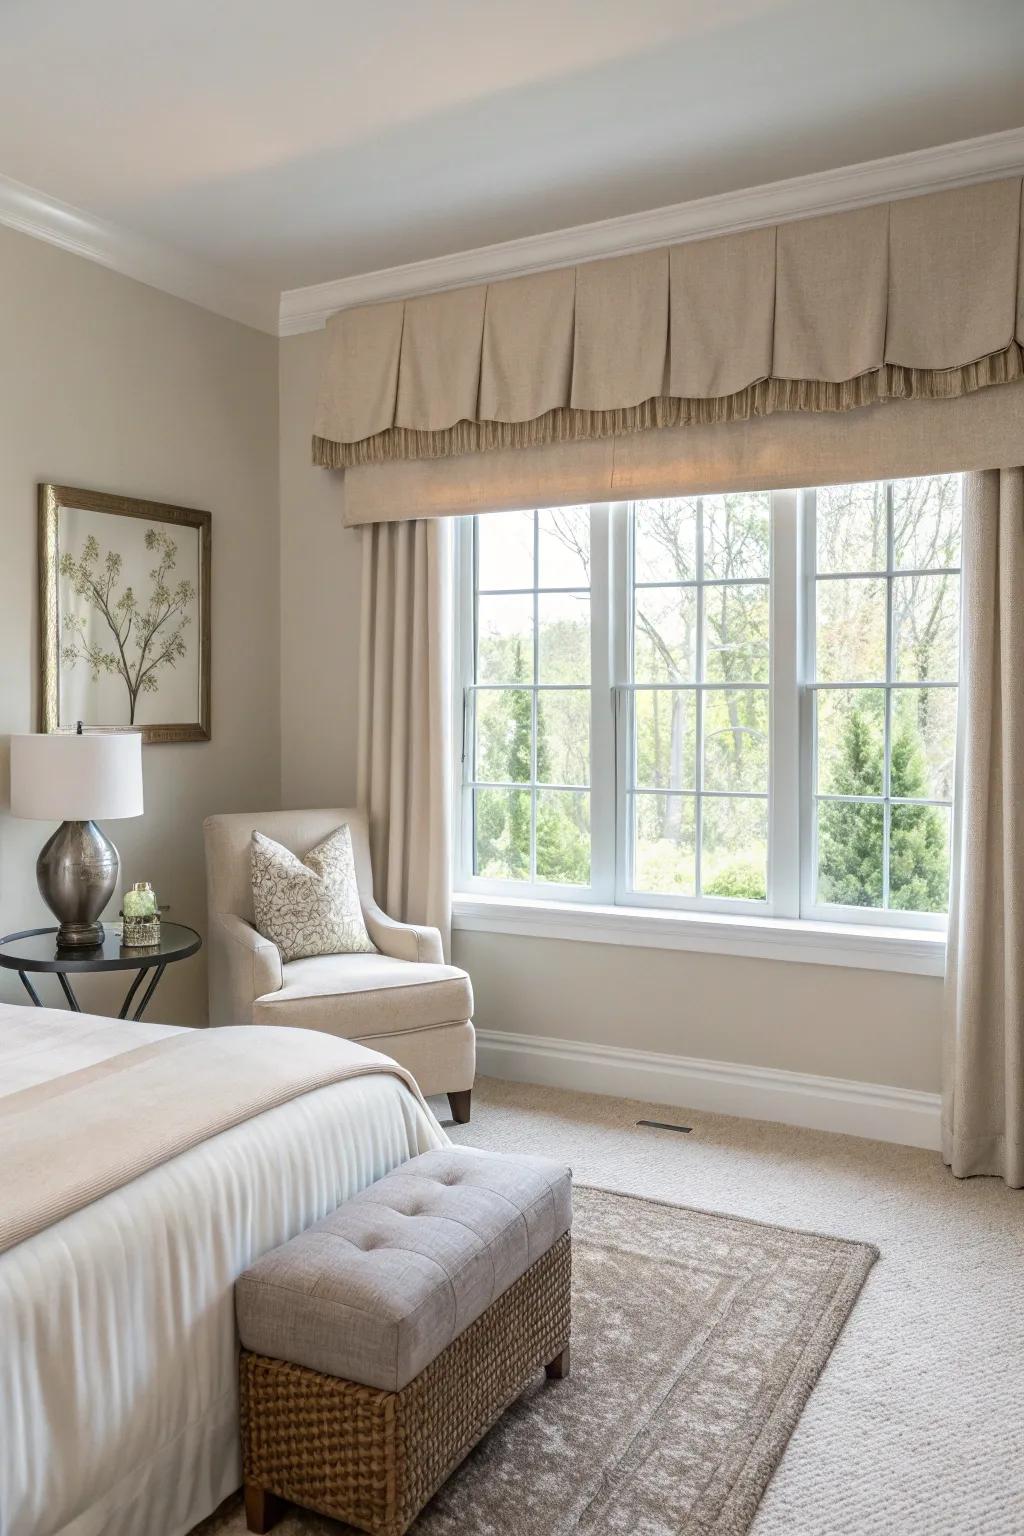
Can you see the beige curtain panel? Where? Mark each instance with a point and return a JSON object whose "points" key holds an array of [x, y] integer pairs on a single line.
{"points": [[983, 1077], [921, 299], [405, 718]]}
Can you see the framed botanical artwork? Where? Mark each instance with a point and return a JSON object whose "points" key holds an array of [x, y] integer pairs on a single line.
{"points": [[124, 615]]}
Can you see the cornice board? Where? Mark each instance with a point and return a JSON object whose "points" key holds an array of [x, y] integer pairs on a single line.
{"points": [[133, 255], [834, 191]]}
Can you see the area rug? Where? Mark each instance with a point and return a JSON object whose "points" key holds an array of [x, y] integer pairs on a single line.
{"points": [[697, 1340]]}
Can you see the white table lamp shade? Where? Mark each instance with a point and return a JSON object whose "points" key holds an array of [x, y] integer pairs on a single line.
{"points": [[65, 777]]}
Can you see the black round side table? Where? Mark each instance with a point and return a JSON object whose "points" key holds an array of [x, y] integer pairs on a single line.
{"points": [[35, 950]]}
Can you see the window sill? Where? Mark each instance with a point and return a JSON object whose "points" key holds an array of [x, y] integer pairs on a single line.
{"points": [[918, 952]]}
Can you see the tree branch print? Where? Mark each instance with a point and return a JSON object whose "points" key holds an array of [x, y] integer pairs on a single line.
{"points": [[144, 635]]}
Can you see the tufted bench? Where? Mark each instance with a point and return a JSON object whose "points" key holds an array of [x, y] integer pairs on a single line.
{"points": [[382, 1344]]}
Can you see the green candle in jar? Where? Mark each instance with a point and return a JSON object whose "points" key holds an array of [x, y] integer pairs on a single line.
{"points": [[140, 901]]}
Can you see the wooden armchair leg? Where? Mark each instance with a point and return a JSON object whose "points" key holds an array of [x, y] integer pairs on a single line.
{"points": [[263, 1509], [460, 1103]]}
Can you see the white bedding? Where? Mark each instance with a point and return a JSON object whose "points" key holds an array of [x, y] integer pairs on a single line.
{"points": [[118, 1391]]}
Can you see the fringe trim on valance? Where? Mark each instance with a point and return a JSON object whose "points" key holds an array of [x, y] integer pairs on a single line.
{"points": [[564, 424]]}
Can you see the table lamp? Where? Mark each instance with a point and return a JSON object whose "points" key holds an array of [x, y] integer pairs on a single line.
{"points": [[76, 778]]}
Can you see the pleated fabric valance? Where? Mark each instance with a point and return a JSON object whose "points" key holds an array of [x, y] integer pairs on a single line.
{"points": [[917, 299]]}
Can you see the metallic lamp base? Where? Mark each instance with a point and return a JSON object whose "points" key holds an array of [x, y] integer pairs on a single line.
{"points": [[80, 935], [77, 873]]}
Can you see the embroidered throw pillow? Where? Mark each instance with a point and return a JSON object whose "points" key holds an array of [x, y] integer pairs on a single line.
{"points": [[309, 906]]}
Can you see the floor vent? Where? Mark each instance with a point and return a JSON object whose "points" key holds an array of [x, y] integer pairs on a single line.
{"points": [[665, 1125]]}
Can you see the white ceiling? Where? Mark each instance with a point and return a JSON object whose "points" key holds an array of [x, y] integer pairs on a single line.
{"points": [[295, 143]]}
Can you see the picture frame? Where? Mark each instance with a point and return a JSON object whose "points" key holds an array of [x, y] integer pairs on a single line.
{"points": [[124, 615]]}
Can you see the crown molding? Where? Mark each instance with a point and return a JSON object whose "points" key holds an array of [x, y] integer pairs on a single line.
{"points": [[72, 229], [133, 255], [853, 186]]}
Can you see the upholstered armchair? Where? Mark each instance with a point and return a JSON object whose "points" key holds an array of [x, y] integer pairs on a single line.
{"points": [[403, 1000]]}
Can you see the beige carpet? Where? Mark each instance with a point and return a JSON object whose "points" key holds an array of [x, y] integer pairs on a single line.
{"points": [[696, 1341], [916, 1426]]}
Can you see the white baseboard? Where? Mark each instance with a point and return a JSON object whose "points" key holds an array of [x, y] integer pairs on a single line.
{"points": [[902, 1115]]}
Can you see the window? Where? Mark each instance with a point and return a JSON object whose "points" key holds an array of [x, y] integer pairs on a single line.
{"points": [[738, 703], [530, 702], [883, 663], [697, 813]]}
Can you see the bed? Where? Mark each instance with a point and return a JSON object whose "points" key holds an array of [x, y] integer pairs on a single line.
{"points": [[139, 1175]]}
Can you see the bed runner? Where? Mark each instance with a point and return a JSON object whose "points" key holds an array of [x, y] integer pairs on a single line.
{"points": [[73, 1138]]}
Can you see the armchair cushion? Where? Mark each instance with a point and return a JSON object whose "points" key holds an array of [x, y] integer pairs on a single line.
{"points": [[357, 996]]}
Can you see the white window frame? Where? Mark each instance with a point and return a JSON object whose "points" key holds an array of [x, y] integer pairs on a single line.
{"points": [[602, 804], [791, 773], [835, 912], [623, 628]]}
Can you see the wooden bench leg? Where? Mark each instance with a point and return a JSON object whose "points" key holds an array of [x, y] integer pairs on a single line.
{"points": [[263, 1509], [460, 1103], [558, 1368]]}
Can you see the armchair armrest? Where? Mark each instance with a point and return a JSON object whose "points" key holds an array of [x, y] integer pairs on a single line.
{"points": [[243, 966], [402, 941]]}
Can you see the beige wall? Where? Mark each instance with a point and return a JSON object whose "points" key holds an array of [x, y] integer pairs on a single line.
{"points": [[110, 385], [871, 1026], [319, 603]]}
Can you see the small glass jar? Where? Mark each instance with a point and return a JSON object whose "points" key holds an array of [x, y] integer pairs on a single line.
{"points": [[140, 917]]}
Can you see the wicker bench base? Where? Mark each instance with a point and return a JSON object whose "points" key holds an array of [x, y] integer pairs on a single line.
{"points": [[374, 1458]]}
